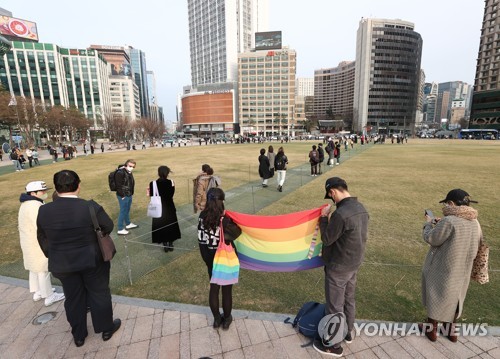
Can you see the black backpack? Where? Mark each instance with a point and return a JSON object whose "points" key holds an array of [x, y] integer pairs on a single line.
{"points": [[112, 181], [308, 318]]}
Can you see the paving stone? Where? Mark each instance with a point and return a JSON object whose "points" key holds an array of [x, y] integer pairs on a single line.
{"points": [[90, 355], [5, 310], [234, 354], [357, 345], [142, 329], [133, 312], [393, 349], [184, 321], [484, 343], [242, 332], [25, 309], [229, 339], [270, 329], [292, 347], [154, 348], [197, 321], [258, 351], [13, 294], [145, 312], [57, 325], [459, 349], [106, 353], [63, 346], [121, 311], [365, 354], [486, 356], [205, 342], [48, 346], [169, 346], [444, 350], [473, 347], [379, 352], [422, 345], [284, 329], [410, 349], [256, 331], [22, 347], [184, 345], [157, 325], [171, 323], [495, 353], [127, 330], [6, 329], [135, 351]]}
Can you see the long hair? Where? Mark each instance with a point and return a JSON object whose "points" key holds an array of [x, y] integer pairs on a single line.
{"points": [[281, 151], [270, 149], [214, 208], [163, 172]]}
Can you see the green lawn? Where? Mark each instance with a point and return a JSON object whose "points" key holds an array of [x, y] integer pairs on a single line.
{"points": [[395, 182]]}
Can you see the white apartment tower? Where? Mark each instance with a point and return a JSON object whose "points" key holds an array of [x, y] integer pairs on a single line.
{"points": [[304, 86], [218, 31]]}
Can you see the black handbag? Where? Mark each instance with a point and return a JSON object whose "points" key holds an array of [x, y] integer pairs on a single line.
{"points": [[105, 241]]}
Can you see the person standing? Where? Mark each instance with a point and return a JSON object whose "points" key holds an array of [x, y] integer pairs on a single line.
{"points": [[209, 224], [321, 157], [14, 157], [102, 147], [34, 259], [35, 156], [336, 153], [264, 165], [70, 244], [313, 160], [280, 162], [29, 155], [200, 188], [165, 229], [344, 238], [92, 148], [125, 185], [271, 155], [454, 242]]}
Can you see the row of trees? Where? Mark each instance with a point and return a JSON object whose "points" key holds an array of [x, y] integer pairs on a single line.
{"points": [[30, 118]]}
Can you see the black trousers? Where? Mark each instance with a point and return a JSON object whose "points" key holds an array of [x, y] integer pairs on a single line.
{"points": [[87, 287]]}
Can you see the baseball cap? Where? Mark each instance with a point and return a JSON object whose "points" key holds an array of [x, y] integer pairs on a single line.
{"points": [[458, 196], [334, 182], [36, 186]]}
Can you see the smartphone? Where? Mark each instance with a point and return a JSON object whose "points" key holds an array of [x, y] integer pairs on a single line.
{"points": [[429, 213]]}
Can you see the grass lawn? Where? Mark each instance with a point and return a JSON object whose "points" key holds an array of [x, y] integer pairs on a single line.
{"points": [[395, 182]]}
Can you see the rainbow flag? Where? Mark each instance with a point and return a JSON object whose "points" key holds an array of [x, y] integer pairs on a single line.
{"points": [[284, 243]]}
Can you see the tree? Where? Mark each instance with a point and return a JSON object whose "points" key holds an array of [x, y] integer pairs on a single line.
{"points": [[149, 128], [8, 116], [117, 128]]}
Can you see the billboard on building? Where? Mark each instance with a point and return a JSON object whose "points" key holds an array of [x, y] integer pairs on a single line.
{"points": [[270, 40], [16, 29]]}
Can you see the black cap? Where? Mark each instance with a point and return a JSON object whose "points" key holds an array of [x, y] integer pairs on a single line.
{"points": [[334, 182], [459, 197]]}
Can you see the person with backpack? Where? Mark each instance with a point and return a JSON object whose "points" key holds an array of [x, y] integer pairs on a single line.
{"points": [[344, 236], [209, 233], [201, 184], [280, 162], [124, 182], [314, 160], [329, 149]]}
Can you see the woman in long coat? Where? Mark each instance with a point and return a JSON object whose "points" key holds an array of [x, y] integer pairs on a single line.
{"points": [[264, 167], [454, 242], [166, 228]]}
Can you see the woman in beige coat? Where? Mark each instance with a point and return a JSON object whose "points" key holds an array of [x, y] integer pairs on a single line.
{"points": [[454, 242], [34, 259]]}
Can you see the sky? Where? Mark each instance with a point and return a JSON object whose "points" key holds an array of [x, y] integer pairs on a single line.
{"points": [[323, 32]]}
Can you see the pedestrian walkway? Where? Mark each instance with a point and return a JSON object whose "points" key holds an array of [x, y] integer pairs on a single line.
{"points": [[153, 329]]}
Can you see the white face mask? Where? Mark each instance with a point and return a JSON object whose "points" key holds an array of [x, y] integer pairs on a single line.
{"points": [[130, 169], [44, 196]]}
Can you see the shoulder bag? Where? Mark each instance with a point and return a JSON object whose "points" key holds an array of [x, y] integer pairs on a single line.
{"points": [[154, 206], [105, 241], [226, 267]]}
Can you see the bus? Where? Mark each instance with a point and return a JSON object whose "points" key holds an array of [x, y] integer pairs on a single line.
{"points": [[478, 134]]}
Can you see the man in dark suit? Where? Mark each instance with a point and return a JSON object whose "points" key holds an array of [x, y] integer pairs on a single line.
{"points": [[67, 237]]}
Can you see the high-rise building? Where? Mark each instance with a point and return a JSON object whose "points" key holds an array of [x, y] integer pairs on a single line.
{"points": [[447, 92], [387, 79], [334, 92], [267, 92], [486, 99], [430, 100], [59, 76], [124, 92], [304, 86], [218, 31], [152, 100], [138, 64]]}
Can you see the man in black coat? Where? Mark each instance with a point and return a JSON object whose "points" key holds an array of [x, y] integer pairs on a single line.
{"points": [[67, 237], [125, 185]]}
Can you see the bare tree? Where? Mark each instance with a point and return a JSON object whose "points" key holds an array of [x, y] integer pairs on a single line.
{"points": [[149, 129], [117, 128]]}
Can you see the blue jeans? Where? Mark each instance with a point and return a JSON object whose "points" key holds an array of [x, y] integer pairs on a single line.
{"points": [[17, 165], [124, 216]]}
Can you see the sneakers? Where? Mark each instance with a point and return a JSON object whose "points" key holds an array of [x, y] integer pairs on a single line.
{"points": [[37, 296], [280, 188], [131, 226], [348, 338], [122, 232], [330, 351], [54, 298]]}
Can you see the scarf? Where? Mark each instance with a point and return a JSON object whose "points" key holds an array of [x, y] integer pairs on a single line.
{"points": [[464, 212]]}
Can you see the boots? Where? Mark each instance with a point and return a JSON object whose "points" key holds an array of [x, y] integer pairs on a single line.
{"points": [[430, 329], [449, 330]]}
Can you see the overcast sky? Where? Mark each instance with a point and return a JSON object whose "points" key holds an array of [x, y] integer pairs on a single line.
{"points": [[323, 32]]}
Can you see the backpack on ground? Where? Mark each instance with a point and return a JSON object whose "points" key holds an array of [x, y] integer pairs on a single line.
{"points": [[112, 180], [308, 318]]}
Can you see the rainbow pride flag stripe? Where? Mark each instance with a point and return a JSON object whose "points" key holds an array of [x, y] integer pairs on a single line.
{"points": [[278, 243]]}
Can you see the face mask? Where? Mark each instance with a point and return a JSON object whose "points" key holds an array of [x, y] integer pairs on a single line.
{"points": [[130, 169], [44, 196]]}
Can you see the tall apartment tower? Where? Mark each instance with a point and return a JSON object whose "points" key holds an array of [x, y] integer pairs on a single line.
{"points": [[485, 101], [304, 86], [334, 91], [387, 79], [218, 31], [138, 64]]}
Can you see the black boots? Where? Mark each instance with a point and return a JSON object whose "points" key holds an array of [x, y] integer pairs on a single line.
{"points": [[168, 246]]}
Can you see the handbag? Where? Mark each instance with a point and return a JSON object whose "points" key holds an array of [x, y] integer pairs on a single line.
{"points": [[154, 206], [105, 241], [226, 266], [480, 265]]}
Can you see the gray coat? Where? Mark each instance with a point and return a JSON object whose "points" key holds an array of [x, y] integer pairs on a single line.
{"points": [[446, 273]]}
